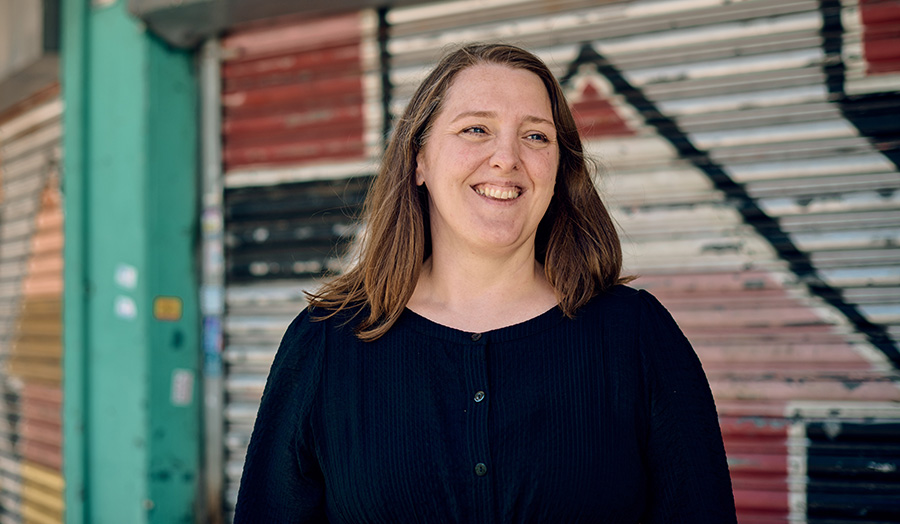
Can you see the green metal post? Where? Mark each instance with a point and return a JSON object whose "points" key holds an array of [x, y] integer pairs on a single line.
{"points": [[131, 406], [74, 57]]}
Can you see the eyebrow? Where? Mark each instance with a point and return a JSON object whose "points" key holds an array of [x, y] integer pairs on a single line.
{"points": [[491, 114]]}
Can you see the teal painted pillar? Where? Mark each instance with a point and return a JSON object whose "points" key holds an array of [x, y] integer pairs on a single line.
{"points": [[131, 341]]}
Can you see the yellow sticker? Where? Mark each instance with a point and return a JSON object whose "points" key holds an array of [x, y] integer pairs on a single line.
{"points": [[167, 308]]}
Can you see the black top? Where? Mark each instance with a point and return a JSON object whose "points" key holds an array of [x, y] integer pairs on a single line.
{"points": [[604, 418]]}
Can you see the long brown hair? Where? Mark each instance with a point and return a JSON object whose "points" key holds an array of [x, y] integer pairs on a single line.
{"points": [[576, 240]]}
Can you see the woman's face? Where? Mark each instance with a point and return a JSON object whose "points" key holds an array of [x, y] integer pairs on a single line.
{"points": [[490, 161]]}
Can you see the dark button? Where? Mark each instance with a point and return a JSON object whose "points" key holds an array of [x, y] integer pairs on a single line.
{"points": [[479, 396], [476, 336], [480, 469]]}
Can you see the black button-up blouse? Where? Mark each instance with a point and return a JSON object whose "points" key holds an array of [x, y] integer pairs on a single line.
{"points": [[604, 418]]}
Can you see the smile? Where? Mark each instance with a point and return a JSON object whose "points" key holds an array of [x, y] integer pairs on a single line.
{"points": [[508, 193]]}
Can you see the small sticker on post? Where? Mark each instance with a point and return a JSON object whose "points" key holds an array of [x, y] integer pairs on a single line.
{"points": [[126, 276], [125, 307], [182, 387], [167, 308]]}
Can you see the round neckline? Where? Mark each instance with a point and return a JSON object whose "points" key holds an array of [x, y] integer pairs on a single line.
{"points": [[522, 329]]}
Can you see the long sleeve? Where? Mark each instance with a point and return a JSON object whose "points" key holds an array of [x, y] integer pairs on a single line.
{"points": [[282, 481], [688, 473]]}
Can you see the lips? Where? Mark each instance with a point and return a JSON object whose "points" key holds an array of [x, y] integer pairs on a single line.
{"points": [[498, 193]]}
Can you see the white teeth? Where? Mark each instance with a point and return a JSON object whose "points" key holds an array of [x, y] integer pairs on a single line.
{"points": [[499, 194]]}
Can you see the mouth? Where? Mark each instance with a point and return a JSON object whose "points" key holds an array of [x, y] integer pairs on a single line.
{"points": [[498, 193]]}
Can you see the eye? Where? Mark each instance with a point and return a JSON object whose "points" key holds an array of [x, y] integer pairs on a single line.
{"points": [[537, 137], [475, 130]]}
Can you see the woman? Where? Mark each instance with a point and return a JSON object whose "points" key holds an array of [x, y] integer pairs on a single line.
{"points": [[483, 363]]}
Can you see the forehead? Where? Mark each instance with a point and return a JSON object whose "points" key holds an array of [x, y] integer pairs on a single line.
{"points": [[498, 87]]}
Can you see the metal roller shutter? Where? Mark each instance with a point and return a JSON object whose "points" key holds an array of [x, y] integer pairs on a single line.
{"points": [[849, 463], [751, 162], [301, 129], [37, 360], [273, 234], [750, 157], [30, 318]]}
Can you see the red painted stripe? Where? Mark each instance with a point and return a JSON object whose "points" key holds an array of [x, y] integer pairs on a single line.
{"points": [[756, 517], [748, 481], [44, 455], [288, 93], [45, 433], [294, 153], [750, 407], [320, 120], [42, 392], [774, 501], [294, 33], [875, 12], [300, 105], [351, 132], [881, 35], [883, 53], [754, 426], [766, 332], [754, 463], [344, 58], [48, 412], [297, 77], [874, 388]]}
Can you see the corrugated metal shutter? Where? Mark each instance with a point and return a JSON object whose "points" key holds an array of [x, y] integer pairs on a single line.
{"points": [[30, 318], [301, 126], [852, 462], [37, 360], [757, 196], [752, 161]]}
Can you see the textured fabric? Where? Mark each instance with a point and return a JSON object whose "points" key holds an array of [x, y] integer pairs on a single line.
{"points": [[604, 418]]}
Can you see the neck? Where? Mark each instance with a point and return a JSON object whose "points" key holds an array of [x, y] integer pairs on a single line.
{"points": [[480, 292]]}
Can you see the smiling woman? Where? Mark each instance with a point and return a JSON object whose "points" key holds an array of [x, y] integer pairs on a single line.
{"points": [[489, 168], [575, 244], [484, 362]]}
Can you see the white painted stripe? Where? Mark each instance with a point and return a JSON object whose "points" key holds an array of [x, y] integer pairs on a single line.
{"points": [[816, 409], [797, 472], [775, 134], [254, 177], [38, 116]]}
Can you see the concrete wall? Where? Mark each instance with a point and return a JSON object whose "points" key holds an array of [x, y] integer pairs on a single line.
{"points": [[21, 35]]}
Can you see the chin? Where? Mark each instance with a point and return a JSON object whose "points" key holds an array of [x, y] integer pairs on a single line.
{"points": [[501, 241]]}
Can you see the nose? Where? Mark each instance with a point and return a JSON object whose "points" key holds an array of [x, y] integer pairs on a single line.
{"points": [[506, 155]]}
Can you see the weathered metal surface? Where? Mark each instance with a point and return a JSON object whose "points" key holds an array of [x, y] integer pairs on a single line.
{"points": [[42, 494], [881, 36], [30, 264], [298, 231], [293, 92], [41, 435], [36, 359], [750, 157], [36, 356], [757, 457], [753, 199]]}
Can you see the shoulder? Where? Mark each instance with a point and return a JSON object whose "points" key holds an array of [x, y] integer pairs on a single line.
{"points": [[314, 329], [625, 302], [630, 314], [303, 340]]}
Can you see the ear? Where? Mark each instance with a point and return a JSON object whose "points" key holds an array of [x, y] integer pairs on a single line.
{"points": [[420, 170]]}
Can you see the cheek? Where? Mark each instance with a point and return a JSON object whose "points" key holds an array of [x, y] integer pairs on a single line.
{"points": [[452, 162], [549, 165], [471, 154]]}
